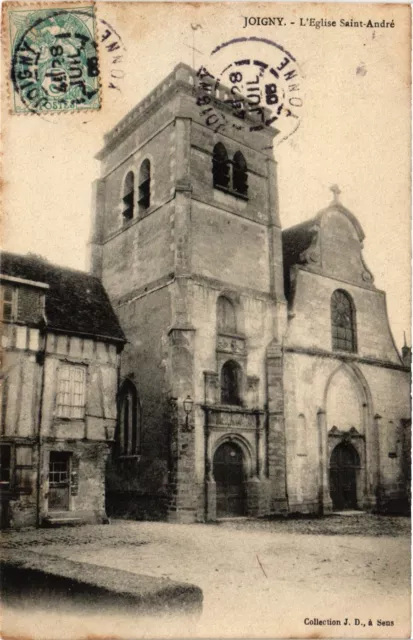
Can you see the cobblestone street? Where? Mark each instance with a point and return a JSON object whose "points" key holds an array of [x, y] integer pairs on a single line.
{"points": [[259, 578]]}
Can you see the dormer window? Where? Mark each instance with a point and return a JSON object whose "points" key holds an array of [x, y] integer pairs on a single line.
{"points": [[144, 200], [128, 197], [20, 303], [8, 303]]}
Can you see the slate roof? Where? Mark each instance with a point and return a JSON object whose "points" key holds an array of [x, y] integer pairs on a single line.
{"points": [[76, 302], [295, 240]]}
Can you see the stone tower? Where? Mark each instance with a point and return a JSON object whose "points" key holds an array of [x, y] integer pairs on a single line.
{"points": [[187, 242]]}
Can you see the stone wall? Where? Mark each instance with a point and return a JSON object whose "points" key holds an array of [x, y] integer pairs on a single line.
{"points": [[164, 271], [310, 317], [87, 483], [380, 403]]}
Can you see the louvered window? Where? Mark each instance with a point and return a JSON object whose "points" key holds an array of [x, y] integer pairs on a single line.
{"points": [[239, 174], [144, 200], [220, 166], [128, 196]]}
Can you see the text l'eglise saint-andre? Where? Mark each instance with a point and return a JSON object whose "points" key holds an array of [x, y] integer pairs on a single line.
{"points": [[278, 21]]}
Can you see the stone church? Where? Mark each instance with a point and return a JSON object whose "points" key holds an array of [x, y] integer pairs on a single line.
{"points": [[260, 375]]}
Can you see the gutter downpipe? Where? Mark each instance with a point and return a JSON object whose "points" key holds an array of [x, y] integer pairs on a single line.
{"points": [[41, 358], [206, 462]]}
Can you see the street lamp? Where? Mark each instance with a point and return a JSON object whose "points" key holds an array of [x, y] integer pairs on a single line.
{"points": [[188, 404]]}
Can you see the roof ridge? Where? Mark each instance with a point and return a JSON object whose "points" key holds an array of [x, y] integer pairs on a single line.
{"points": [[76, 301], [44, 261]]}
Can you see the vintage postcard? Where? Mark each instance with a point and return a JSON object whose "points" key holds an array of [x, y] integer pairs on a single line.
{"points": [[206, 320]]}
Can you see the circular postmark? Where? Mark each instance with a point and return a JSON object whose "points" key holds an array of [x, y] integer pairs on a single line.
{"points": [[55, 61], [112, 50], [258, 80]]}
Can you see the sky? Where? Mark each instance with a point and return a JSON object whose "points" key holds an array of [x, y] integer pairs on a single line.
{"points": [[354, 127]]}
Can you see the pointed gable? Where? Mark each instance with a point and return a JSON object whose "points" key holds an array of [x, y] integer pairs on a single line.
{"points": [[331, 244]]}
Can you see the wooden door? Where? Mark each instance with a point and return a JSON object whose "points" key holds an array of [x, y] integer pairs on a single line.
{"points": [[344, 465], [59, 481], [229, 479]]}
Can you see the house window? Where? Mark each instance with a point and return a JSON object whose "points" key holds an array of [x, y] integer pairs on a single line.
{"points": [[25, 304], [71, 391], [239, 174], [144, 200], [5, 465], [231, 380], [128, 433], [220, 166], [58, 468], [128, 196], [226, 318], [8, 303], [343, 322]]}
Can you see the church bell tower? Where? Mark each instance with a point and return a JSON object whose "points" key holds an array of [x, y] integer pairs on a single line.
{"points": [[187, 242]]}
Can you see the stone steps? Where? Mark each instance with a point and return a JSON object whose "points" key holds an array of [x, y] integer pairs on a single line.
{"points": [[348, 513], [61, 519]]}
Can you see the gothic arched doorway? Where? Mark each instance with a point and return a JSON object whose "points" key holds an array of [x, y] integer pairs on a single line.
{"points": [[229, 479], [344, 470]]}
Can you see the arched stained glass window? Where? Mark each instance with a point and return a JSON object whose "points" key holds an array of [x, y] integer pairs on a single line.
{"points": [[343, 322]]}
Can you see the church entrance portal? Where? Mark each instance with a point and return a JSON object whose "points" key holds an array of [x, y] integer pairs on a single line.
{"points": [[229, 479], [344, 467]]}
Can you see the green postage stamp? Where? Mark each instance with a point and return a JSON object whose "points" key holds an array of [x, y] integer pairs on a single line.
{"points": [[54, 58]]}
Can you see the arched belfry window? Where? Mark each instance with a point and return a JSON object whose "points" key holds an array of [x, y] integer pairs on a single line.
{"points": [[220, 166], [231, 381], [129, 421], [144, 200], [128, 196], [343, 322], [226, 317], [239, 174]]}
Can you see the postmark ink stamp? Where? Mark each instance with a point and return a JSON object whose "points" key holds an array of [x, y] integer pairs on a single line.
{"points": [[54, 59], [113, 50], [258, 79]]}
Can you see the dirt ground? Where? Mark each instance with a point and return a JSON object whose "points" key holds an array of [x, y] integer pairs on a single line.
{"points": [[268, 578]]}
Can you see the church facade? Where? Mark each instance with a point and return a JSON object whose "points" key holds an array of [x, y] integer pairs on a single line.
{"points": [[260, 375]]}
